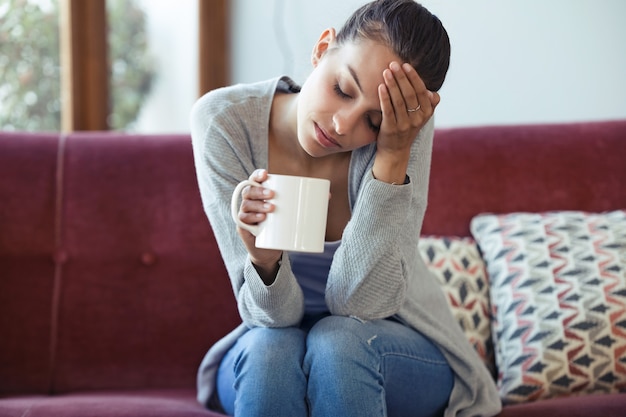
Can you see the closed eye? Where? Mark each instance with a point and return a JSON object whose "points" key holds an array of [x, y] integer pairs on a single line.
{"points": [[340, 92], [371, 125], [368, 119]]}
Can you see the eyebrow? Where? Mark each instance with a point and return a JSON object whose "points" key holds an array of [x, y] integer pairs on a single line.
{"points": [[358, 83], [356, 78]]}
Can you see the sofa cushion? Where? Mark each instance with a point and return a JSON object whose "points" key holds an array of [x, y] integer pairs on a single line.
{"points": [[558, 288], [151, 403], [457, 264], [598, 405]]}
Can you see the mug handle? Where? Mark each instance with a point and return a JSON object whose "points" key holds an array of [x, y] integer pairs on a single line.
{"points": [[234, 206]]}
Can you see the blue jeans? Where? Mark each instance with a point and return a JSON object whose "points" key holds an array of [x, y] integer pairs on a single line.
{"points": [[334, 366]]}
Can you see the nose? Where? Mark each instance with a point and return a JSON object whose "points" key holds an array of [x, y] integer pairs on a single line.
{"points": [[344, 121]]}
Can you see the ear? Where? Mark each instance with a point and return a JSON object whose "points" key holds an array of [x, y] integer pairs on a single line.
{"points": [[324, 43]]}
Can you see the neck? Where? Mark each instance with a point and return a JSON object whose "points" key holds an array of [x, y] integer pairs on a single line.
{"points": [[283, 130], [283, 119]]}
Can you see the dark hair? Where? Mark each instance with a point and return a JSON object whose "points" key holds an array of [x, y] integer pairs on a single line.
{"points": [[415, 35]]}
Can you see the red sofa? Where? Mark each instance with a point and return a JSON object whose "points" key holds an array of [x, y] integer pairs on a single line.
{"points": [[112, 287]]}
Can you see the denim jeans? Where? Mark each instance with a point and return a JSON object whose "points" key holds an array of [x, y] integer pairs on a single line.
{"points": [[334, 366]]}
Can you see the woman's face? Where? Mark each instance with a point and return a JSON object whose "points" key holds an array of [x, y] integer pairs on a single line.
{"points": [[339, 107]]}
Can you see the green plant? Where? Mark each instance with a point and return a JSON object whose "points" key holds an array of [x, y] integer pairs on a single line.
{"points": [[29, 66], [30, 72]]}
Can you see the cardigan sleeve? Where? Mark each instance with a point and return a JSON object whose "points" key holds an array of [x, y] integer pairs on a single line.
{"points": [[368, 276], [225, 153]]}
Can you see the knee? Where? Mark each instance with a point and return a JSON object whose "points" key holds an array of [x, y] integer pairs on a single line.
{"points": [[270, 349], [338, 339], [263, 373]]}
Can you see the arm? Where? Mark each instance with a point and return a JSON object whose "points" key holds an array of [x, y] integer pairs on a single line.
{"points": [[224, 155], [368, 277]]}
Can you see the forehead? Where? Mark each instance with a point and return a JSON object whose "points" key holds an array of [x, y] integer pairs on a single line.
{"points": [[368, 59]]}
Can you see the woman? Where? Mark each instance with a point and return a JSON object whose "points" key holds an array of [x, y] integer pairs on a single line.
{"points": [[362, 329]]}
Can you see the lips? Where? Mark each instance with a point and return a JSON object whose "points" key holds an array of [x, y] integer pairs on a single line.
{"points": [[325, 139]]}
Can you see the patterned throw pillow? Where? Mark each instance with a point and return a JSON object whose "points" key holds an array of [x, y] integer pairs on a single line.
{"points": [[457, 263], [558, 291]]}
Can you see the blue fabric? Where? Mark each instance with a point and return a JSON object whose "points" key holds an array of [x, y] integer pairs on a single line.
{"points": [[311, 271], [335, 366]]}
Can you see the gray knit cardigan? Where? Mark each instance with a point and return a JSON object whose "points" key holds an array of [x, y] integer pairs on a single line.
{"points": [[376, 272]]}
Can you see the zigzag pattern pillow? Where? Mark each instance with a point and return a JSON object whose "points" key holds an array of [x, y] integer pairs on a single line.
{"points": [[457, 263], [558, 290]]}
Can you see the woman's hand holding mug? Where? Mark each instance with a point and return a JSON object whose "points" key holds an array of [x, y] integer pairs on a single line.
{"points": [[278, 213]]}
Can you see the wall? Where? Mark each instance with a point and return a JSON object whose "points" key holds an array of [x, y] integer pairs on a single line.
{"points": [[512, 61], [172, 29]]}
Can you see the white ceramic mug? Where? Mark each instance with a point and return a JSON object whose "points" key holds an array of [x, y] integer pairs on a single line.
{"points": [[298, 222]]}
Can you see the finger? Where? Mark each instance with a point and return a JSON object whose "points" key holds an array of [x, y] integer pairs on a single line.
{"points": [[396, 98], [435, 99], [407, 88], [386, 106], [424, 96], [252, 218], [257, 193], [259, 175], [254, 211], [256, 206]]}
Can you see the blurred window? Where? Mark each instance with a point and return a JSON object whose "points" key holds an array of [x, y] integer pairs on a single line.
{"points": [[150, 56], [30, 75], [133, 68]]}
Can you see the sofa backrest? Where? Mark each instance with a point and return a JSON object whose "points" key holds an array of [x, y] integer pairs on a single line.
{"points": [[28, 166], [110, 276], [503, 169]]}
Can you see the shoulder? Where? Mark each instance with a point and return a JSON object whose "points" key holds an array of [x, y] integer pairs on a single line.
{"points": [[231, 117], [240, 100], [238, 93]]}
